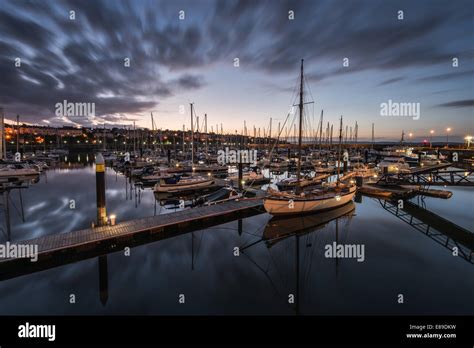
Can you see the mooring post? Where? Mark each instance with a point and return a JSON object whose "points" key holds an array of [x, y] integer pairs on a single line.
{"points": [[100, 189]]}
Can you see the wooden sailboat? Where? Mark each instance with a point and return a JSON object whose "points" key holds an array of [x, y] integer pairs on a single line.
{"points": [[177, 183], [300, 202]]}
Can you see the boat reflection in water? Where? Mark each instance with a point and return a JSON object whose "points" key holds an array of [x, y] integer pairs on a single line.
{"points": [[281, 227]]}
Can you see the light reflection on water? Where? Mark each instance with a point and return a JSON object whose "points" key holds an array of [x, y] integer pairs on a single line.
{"points": [[201, 265]]}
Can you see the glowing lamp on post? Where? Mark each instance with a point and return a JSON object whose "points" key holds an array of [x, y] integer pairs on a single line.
{"points": [[112, 219]]}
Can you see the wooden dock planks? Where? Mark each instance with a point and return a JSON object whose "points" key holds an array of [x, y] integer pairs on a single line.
{"points": [[72, 240]]}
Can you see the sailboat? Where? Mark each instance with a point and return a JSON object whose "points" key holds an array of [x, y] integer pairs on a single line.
{"points": [[297, 201]]}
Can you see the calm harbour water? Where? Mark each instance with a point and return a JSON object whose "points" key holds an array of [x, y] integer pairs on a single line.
{"points": [[201, 265]]}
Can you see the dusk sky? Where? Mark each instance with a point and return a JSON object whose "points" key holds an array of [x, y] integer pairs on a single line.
{"points": [[174, 62]]}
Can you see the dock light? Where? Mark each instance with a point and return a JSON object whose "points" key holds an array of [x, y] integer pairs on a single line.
{"points": [[209, 174], [465, 173], [177, 165], [421, 164], [194, 169], [338, 198], [375, 175], [112, 219], [243, 182]]}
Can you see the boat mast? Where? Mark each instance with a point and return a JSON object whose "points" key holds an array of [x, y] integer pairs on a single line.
{"points": [[17, 133], [205, 131], [192, 135], [339, 152], [301, 125], [320, 132]]}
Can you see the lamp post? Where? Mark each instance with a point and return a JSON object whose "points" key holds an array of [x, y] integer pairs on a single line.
{"points": [[468, 139], [447, 136], [431, 138]]}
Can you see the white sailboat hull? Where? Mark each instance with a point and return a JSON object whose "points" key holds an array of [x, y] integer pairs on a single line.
{"points": [[280, 206]]}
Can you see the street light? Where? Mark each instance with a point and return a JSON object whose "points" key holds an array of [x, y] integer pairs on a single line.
{"points": [[447, 136], [468, 139], [431, 138]]}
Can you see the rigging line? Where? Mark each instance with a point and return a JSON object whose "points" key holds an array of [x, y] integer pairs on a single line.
{"points": [[278, 138], [265, 273], [276, 267], [308, 87], [249, 233]]}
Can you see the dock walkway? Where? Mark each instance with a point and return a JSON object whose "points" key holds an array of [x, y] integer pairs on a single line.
{"points": [[90, 242]]}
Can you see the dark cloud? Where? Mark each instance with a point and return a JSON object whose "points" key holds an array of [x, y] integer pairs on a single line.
{"points": [[82, 60], [455, 74], [191, 81], [458, 104], [23, 30], [391, 81]]}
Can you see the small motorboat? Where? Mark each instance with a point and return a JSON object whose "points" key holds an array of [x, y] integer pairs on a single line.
{"points": [[224, 194]]}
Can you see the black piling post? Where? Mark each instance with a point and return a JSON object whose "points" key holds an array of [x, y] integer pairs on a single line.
{"points": [[100, 190]]}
